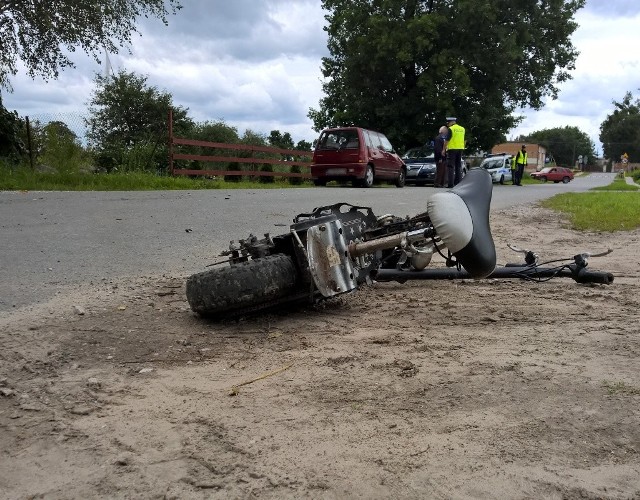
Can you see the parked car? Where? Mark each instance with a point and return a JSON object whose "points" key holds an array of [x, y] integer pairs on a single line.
{"points": [[358, 155], [421, 165], [555, 174], [499, 166]]}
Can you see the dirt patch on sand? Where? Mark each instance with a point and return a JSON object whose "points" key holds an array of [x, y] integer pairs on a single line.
{"points": [[451, 389]]}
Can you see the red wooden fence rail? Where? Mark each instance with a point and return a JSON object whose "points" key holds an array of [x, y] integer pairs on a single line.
{"points": [[178, 141]]}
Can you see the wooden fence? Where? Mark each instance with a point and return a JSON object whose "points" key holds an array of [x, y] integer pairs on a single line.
{"points": [[254, 156]]}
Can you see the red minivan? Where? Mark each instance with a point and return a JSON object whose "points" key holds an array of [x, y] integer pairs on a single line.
{"points": [[358, 155]]}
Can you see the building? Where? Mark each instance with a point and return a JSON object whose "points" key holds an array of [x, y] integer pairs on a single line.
{"points": [[536, 154]]}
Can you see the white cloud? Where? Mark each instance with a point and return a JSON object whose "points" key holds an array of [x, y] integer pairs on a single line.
{"points": [[606, 69], [256, 65]]}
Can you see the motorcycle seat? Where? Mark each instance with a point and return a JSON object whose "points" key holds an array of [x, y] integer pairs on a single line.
{"points": [[460, 217]]}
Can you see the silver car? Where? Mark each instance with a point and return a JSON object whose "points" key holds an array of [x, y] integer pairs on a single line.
{"points": [[499, 166]]}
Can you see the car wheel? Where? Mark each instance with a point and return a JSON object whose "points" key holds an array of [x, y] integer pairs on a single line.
{"points": [[400, 181], [565, 180], [501, 179], [368, 177], [320, 182], [543, 178]]}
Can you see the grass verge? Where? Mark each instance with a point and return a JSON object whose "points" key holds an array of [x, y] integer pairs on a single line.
{"points": [[25, 180], [599, 211], [618, 185]]}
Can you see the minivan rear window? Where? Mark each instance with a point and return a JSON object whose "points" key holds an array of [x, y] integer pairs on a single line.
{"points": [[338, 139]]}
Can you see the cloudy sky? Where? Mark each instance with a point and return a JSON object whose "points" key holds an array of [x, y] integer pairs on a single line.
{"points": [[256, 65]]}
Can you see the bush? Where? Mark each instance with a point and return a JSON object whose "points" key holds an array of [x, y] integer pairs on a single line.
{"points": [[61, 150], [139, 158], [296, 181], [233, 178], [266, 179]]}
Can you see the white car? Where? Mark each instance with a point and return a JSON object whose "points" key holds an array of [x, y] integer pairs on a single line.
{"points": [[499, 166]]}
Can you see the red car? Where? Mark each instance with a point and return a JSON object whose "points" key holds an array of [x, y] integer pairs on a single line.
{"points": [[555, 174], [357, 155]]}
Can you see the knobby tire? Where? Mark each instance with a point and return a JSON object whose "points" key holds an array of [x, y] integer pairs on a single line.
{"points": [[224, 291]]}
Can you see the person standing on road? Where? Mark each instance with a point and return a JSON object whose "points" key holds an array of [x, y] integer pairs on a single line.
{"points": [[521, 162], [453, 147], [440, 158]]}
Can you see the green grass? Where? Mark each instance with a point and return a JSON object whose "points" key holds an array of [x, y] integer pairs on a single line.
{"points": [[26, 180], [618, 185], [599, 211]]}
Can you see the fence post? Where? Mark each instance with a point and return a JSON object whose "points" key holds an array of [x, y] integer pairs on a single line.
{"points": [[170, 148], [29, 142]]}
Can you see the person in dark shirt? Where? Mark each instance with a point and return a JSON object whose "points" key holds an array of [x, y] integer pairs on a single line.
{"points": [[453, 147], [440, 158]]}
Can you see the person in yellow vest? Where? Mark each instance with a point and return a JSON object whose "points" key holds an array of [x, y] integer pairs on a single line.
{"points": [[453, 148], [521, 162]]}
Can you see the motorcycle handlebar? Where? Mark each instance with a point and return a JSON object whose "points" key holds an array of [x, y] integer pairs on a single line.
{"points": [[580, 275], [586, 276]]}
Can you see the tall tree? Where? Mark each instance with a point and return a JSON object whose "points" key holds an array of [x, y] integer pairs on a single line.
{"points": [[620, 131], [129, 117], [564, 144], [402, 66], [41, 32]]}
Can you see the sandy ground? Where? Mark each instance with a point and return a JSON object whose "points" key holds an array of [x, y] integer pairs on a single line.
{"points": [[455, 389]]}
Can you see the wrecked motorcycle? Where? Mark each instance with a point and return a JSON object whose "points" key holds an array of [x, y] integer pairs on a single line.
{"points": [[335, 249]]}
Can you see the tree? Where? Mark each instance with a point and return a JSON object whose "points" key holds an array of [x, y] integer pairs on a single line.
{"points": [[41, 32], [564, 144], [303, 145], [217, 131], [279, 140], [620, 131], [12, 146], [127, 124], [60, 148], [402, 66]]}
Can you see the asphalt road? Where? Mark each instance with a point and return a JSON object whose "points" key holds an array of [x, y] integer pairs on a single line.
{"points": [[51, 240]]}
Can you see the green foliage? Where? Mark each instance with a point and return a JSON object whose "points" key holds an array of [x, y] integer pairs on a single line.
{"points": [[278, 140], [303, 145], [233, 178], [209, 131], [400, 66], [266, 179], [618, 184], [129, 119], [60, 149], [253, 138], [27, 180], [296, 181], [620, 131], [41, 34], [564, 144], [599, 211], [12, 145]]}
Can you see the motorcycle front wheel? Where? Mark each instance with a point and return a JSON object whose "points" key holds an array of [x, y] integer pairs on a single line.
{"points": [[245, 287]]}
